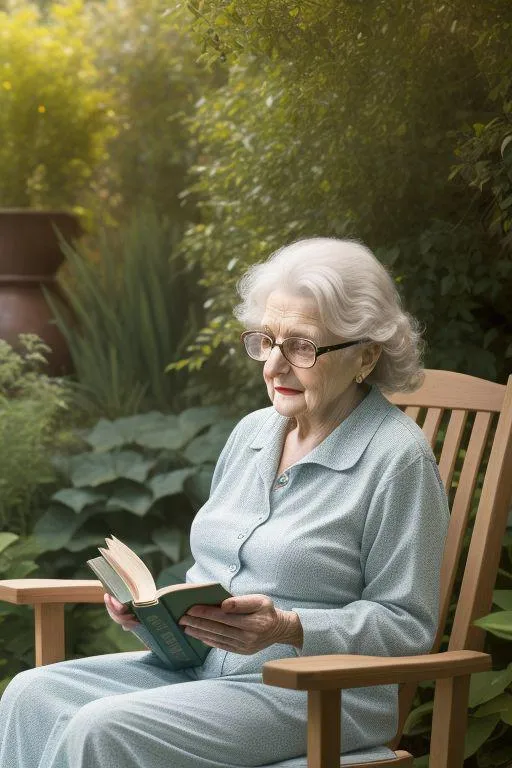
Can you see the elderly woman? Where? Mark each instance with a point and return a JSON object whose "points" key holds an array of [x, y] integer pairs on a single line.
{"points": [[326, 521]]}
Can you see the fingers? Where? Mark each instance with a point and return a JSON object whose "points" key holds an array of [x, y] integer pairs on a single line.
{"points": [[114, 603], [120, 613]]}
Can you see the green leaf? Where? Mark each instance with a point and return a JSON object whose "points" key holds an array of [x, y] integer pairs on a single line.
{"points": [[194, 420], [205, 448], [416, 716], [175, 574], [170, 483], [150, 430], [94, 469], [78, 498], [502, 703], [56, 527], [6, 539], [503, 599], [420, 762], [499, 623], [479, 730], [22, 569], [487, 685], [197, 487], [169, 541], [133, 499]]}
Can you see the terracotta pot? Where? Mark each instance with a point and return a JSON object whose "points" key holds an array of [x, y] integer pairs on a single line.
{"points": [[29, 258]]}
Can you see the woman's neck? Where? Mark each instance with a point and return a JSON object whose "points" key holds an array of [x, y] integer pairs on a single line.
{"points": [[311, 432]]}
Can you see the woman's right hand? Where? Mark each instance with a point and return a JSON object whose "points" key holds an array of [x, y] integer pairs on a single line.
{"points": [[120, 613]]}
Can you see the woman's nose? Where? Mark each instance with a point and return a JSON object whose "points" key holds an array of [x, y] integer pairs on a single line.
{"points": [[276, 362]]}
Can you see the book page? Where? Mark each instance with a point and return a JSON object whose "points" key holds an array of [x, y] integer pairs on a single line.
{"points": [[181, 587], [131, 569]]}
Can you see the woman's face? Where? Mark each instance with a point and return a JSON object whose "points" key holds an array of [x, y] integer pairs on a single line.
{"points": [[315, 393]]}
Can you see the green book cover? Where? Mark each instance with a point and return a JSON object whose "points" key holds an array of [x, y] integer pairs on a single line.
{"points": [[166, 638]]}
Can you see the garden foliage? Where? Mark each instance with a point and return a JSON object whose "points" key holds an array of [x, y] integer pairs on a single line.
{"points": [[141, 478], [54, 120], [33, 408], [147, 59], [134, 305], [387, 122]]}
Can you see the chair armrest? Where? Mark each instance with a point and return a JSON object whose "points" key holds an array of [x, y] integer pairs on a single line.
{"points": [[40, 591], [352, 671]]}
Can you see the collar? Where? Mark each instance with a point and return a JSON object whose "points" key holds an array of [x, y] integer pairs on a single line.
{"points": [[343, 447]]}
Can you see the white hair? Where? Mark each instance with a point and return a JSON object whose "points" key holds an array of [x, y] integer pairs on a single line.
{"points": [[356, 299]]}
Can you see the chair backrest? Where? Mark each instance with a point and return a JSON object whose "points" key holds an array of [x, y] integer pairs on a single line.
{"points": [[468, 422]]}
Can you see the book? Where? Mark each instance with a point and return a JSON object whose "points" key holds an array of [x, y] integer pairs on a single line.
{"points": [[126, 577]]}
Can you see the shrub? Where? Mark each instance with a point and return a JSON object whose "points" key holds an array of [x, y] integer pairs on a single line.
{"points": [[141, 479], [53, 117], [134, 307], [147, 60], [32, 411], [331, 125]]}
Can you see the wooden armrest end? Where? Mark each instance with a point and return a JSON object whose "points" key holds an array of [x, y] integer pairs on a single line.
{"points": [[37, 591], [352, 671]]}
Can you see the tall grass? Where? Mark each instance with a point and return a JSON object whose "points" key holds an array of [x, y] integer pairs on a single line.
{"points": [[131, 313]]}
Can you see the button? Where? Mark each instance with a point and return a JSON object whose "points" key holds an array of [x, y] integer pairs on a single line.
{"points": [[232, 567], [282, 479], [241, 535], [260, 517]]}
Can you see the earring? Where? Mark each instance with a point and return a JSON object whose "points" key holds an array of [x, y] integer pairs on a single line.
{"points": [[359, 378]]}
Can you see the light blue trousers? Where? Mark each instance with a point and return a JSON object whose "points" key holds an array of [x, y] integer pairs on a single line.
{"points": [[126, 710]]}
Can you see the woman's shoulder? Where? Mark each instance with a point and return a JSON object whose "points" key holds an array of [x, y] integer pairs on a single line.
{"points": [[252, 423], [401, 441]]}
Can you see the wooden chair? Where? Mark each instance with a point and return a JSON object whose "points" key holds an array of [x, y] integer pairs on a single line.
{"points": [[471, 413]]}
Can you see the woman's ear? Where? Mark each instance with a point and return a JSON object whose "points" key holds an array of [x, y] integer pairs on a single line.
{"points": [[371, 354]]}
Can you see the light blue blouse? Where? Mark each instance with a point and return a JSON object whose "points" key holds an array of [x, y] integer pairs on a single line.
{"points": [[350, 537]]}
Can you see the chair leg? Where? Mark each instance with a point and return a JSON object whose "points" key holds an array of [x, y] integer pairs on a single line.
{"points": [[449, 722], [49, 632], [324, 729]]}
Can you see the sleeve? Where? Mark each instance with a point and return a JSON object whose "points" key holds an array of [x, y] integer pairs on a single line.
{"points": [[401, 552]]}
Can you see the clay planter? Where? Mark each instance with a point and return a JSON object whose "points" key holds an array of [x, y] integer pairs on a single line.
{"points": [[29, 258]]}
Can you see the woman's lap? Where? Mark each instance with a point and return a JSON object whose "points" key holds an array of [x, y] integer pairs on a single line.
{"points": [[127, 709]]}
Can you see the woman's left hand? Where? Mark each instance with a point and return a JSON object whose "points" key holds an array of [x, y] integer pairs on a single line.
{"points": [[242, 624]]}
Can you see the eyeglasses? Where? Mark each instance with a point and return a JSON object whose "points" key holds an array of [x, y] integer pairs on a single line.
{"points": [[302, 353]]}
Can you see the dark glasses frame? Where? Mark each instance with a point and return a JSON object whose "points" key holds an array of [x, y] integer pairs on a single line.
{"points": [[318, 350]]}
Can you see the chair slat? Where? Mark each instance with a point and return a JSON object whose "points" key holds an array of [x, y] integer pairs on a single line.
{"points": [[413, 413], [431, 424], [475, 597], [451, 446], [446, 389], [460, 514]]}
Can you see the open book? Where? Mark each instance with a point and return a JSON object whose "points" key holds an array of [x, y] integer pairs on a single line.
{"points": [[127, 578]]}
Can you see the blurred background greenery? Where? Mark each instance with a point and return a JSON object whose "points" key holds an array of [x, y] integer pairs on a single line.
{"points": [[192, 139]]}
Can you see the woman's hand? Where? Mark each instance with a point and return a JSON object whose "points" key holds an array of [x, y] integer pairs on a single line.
{"points": [[242, 624], [120, 613]]}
